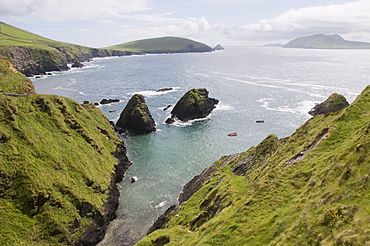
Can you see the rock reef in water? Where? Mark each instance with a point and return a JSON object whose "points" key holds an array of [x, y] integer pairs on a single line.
{"points": [[136, 116], [335, 102], [193, 105]]}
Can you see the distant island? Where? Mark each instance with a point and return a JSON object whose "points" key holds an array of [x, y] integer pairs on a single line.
{"points": [[162, 45], [274, 45], [321, 41]]}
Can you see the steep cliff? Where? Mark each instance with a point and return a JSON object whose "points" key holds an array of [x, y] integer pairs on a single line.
{"points": [[311, 188], [59, 162], [334, 103]]}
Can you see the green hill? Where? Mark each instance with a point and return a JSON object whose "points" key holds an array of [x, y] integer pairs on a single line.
{"points": [[32, 54], [163, 45], [59, 162], [321, 41], [312, 188]]}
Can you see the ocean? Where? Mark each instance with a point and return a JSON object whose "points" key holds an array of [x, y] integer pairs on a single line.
{"points": [[275, 85]]}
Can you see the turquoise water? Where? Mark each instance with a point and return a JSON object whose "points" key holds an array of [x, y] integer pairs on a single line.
{"points": [[276, 85]]}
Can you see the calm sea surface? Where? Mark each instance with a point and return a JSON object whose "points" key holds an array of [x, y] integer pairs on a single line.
{"points": [[276, 85]]}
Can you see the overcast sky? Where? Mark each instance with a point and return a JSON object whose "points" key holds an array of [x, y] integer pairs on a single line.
{"points": [[101, 23]]}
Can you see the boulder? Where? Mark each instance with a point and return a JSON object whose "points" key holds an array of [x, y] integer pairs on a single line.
{"points": [[136, 116], [335, 102], [108, 101], [193, 105], [78, 64]]}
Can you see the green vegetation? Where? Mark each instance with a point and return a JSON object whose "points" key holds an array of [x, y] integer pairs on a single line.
{"points": [[56, 165], [163, 45], [12, 81], [321, 41], [33, 54], [311, 188]]}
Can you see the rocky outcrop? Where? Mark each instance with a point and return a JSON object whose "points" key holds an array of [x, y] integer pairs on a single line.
{"points": [[335, 102], [219, 47], [136, 116], [193, 105], [78, 64]]}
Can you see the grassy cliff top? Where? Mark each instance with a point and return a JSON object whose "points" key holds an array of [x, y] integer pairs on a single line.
{"points": [[163, 44], [56, 164], [12, 81], [311, 188]]}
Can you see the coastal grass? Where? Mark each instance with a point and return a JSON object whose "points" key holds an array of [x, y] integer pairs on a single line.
{"points": [[56, 166], [311, 188], [12, 81]]}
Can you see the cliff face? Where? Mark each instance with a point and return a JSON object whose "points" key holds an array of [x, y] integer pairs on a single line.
{"points": [[59, 162], [31, 60], [308, 189], [334, 103]]}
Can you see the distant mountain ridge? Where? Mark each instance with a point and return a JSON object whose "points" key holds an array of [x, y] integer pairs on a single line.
{"points": [[163, 45], [322, 41]]}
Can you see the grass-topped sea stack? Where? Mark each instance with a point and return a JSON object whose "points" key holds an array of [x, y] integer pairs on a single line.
{"points": [[334, 103], [136, 116], [193, 105]]}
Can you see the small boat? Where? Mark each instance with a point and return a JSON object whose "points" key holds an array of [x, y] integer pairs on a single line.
{"points": [[232, 134]]}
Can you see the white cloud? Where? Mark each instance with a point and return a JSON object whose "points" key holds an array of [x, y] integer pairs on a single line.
{"points": [[344, 18], [57, 10]]}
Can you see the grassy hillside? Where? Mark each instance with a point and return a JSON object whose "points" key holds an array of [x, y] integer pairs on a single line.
{"points": [[321, 41], [312, 188], [58, 162], [33, 54], [163, 45], [12, 81]]}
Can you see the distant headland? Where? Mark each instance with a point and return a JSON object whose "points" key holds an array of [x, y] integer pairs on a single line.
{"points": [[322, 41]]}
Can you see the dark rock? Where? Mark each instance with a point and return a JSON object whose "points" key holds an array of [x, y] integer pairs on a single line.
{"points": [[168, 106], [136, 116], [170, 120], [78, 64], [165, 89], [107, 101], [193, 105], [335, 102]]}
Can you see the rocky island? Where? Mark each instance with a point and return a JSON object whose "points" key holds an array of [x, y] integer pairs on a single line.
{"points": [[136, 116], [193, 105]]}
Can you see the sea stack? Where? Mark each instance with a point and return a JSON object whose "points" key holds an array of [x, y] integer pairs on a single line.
{"points": [[335, 102], [193, 105], [136, 116], [219, 47]]}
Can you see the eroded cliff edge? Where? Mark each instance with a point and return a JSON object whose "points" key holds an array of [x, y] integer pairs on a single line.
{"points": [[310, 189], [59, 164]]}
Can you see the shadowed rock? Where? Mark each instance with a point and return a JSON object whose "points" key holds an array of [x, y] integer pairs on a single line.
{"points": [[136, 116]]}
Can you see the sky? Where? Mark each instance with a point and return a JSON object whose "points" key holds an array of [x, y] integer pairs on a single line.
{"points": [[102, 23]]}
